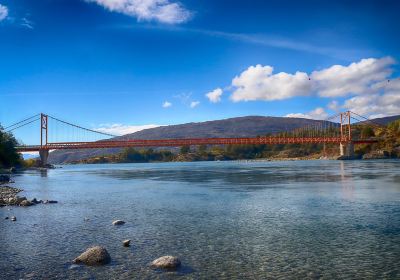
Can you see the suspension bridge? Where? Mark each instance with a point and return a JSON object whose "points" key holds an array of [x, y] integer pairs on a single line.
{"points": [[57, 134]]}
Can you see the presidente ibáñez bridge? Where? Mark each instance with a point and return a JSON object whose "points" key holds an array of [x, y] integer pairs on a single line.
{"points": [[336, 129]]}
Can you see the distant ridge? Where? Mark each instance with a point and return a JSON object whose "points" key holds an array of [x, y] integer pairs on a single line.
{"points": [[386, 120]]}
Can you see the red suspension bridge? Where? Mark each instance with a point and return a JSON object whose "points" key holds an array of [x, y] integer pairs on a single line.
{"points": [[56, 134]]}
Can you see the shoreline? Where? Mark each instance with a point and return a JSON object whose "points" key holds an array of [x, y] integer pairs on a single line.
{"points": [[59, 165]]}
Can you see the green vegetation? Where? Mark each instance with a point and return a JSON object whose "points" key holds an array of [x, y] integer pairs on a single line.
{"points": [[8, 153], [212, 153], [389, 144]]}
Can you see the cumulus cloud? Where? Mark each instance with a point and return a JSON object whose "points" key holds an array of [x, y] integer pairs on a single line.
{"points": [[386, 103], [194, 104], [356, 78], [259, 83], [166, 104], [163, 11], [3, 12], [120, 129], [317, 114], [366, 87], [215, 95]]}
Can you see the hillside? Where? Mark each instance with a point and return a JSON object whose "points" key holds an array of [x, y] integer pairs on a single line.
{"points": [[249, 126]]}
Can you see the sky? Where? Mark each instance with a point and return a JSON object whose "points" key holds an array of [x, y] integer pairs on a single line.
{"points": [[123, 65]]}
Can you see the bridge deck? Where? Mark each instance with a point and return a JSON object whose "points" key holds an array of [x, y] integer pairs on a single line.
{"points": [[273, 140]]}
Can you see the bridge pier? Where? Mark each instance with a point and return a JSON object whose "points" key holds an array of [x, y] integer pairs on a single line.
{"points": [[341, 149], [44, 155], [347, 149]]}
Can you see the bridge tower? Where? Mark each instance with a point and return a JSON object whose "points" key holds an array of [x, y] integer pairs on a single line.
{"points": [[43, 151], [346, 144]]}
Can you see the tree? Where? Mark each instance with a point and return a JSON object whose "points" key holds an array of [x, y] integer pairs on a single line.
{"points": [[185, 150], [8, 153], [367, 131]]}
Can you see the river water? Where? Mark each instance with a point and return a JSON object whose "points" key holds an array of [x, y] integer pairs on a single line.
{"points": [[224, 220]]}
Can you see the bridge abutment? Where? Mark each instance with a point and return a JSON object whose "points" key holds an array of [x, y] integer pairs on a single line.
{"points": [[44, 155]]}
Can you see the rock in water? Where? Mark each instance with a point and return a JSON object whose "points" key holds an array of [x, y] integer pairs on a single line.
{"points": [[166, 262], [13, 218], [126, 242], [118, 222], [26, 203], [93, 256], [34, 201], [49, 201]]}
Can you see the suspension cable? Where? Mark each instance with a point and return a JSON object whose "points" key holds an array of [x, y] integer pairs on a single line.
{"points": [[22, 125], [87, 129], [21, 122]]}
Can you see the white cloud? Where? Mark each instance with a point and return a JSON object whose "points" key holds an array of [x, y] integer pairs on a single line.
{"points": [[366, 85], [194, 104], [215, 95], [317, 114], [120, 129], [356, 78], [166, 104], [3, 12], [148, 10], [363, 77], [377, 105], [258, 83]]}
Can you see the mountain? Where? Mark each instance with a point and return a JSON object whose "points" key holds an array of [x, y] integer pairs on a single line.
{"points": [[385, 120], [250, 126]]}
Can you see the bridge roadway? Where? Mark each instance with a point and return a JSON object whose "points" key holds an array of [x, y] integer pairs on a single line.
{"points": [[269, 140]]}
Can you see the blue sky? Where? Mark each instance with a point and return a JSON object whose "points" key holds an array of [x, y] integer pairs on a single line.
{"points": [[119, 64]]}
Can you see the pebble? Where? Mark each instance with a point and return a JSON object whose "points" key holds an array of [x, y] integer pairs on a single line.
{"points": [[118, 222]]}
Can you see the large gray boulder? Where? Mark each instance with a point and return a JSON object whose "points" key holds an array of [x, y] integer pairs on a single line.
{"points": [[96, 255], [166, 262]]}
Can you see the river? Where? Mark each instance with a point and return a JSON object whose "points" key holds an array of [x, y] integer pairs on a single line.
{"points": [[224, 220]]}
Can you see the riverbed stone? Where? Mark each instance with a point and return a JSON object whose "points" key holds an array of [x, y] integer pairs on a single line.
{"points": [[126, 242], [26, 203], [49, 201], [96, 255], [118, 222], [19, 200], [166, 262], [35, 201]]}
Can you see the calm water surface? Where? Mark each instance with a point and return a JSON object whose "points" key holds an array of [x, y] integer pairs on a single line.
{"points": [[225, 220]]}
